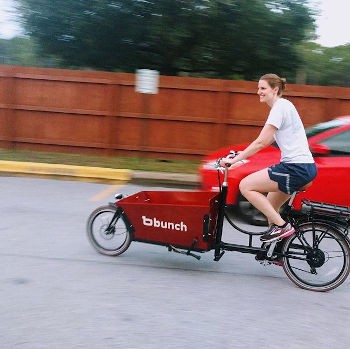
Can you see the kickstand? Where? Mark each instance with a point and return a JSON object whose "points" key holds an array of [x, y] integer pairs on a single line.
{"points": [[188, 253]]}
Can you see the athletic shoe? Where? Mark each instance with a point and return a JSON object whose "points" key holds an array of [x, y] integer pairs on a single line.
{"points": [[278, 232]]}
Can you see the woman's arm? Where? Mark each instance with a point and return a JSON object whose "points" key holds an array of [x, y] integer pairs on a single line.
{"points": [[265, 138]]}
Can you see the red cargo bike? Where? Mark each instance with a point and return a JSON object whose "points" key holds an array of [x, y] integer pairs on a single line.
{"points": [[316, 257]]}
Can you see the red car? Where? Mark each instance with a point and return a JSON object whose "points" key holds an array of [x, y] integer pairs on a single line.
{"points": [[330, 144]]}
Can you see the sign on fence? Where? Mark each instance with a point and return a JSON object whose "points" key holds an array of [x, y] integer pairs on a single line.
{"points": [[147, 81]]}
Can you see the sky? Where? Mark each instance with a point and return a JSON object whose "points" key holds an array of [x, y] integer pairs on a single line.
{"points": [[332, 22]]}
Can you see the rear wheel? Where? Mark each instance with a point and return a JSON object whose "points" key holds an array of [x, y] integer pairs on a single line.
{"points": [[107, 231], [317, 257]]}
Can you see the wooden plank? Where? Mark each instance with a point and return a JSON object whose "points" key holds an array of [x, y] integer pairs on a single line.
{"points": [[100, 112]]}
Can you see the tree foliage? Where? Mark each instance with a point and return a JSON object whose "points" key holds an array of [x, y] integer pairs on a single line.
{"points": [[23, 51], [213, 38], [325, 66]]}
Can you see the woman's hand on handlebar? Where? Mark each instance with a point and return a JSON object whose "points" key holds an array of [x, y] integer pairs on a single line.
{"points": [[230, 160], [227, 162]]}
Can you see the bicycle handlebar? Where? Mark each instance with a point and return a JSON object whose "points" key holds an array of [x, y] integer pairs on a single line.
{"points": [[224, 169], [232, 154]]}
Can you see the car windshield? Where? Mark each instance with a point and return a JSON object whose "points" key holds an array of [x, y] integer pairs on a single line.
{"points": [[324, 126]]}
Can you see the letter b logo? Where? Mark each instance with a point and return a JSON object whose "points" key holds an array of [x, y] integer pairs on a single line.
{"points": [[156, 222], [147, 221]]}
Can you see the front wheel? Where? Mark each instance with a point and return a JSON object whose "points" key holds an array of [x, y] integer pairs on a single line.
{"points": [[317, 257], [108, 231]]}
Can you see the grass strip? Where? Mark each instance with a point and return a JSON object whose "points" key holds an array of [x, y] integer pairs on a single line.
{"points": [[117, 162]]}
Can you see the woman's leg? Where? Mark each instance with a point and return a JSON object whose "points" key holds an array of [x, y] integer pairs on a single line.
{"points": [[254, 186], [277, 199]]}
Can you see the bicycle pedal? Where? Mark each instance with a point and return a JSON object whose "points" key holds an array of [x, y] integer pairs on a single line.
{"points": [[265, 262], [278, 263]]}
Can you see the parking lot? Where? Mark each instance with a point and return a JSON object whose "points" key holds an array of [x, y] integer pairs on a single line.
{"points": [[57, 292]]}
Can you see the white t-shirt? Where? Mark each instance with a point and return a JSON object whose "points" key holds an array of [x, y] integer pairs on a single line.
{"points": [[290, 135]]}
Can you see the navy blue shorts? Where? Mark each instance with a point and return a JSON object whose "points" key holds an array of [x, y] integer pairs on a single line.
{"points": [[291, 177]]}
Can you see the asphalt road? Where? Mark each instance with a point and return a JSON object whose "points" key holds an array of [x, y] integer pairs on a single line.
{"points": [[57, 292]]}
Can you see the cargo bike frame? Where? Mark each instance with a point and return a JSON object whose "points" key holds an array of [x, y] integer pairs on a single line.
{"points": [[316, 257]]}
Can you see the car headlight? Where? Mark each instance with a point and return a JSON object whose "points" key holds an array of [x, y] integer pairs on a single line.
{"points": [[212, 165]]}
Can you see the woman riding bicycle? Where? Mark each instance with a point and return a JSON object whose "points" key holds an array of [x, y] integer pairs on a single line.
{"points": [[296, 167]]}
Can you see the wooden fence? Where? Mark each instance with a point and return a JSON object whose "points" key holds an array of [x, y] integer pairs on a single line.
{"points": [[100, 112]]}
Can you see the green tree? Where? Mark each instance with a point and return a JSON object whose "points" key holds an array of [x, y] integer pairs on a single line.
{"points": [[324, 66], [215, 38], [17, 51], [23, 51]]}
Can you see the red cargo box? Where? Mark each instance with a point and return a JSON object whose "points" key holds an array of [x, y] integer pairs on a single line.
{"points": [[181, 219]]}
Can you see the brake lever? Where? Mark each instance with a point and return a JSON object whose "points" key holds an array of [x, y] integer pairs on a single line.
{"points": [[232, 154], [217, 162], [219, 167]]}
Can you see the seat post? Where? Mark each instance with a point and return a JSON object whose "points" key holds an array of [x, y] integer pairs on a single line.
{"points": [[292, 197], [294, 194]]}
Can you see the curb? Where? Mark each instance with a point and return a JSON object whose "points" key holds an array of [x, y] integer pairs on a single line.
{"points": [[98, 173], [82, 172], [165, 178]]}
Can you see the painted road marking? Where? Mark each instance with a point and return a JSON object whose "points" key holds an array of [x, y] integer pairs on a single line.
{"points": [[105, 193]]}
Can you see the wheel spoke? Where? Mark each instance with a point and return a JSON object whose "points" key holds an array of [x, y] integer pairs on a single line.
{"points": [[107, 231], [305, 271]]}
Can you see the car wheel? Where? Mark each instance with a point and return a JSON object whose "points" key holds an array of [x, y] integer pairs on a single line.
{"points": [[249, 213]]}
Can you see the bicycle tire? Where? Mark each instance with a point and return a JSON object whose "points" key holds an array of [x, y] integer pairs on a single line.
{"points": [[316, 257], [111, 242]]}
